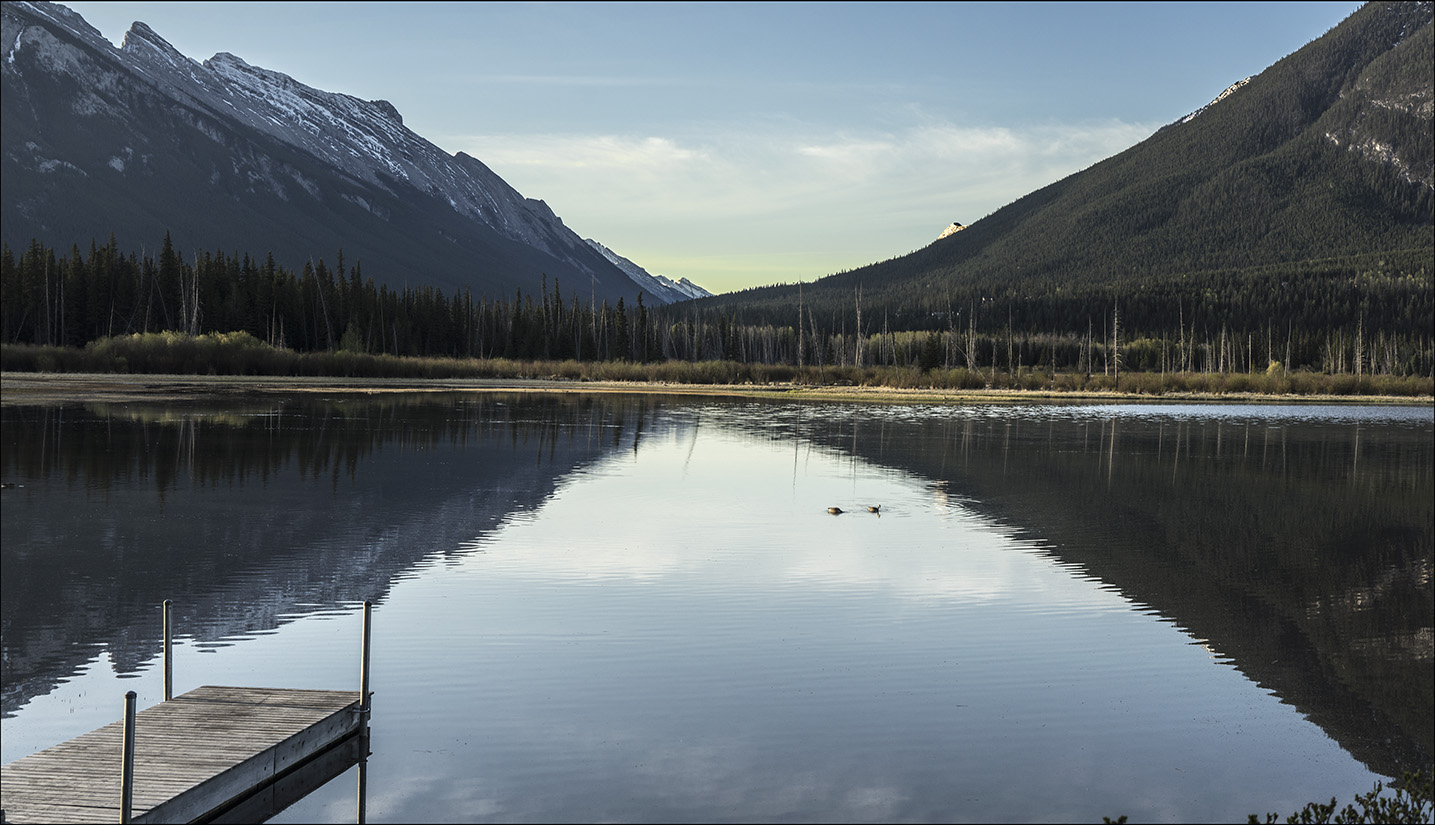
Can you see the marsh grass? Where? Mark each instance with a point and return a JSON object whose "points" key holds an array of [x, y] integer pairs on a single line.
{"points": [[241, 354]]}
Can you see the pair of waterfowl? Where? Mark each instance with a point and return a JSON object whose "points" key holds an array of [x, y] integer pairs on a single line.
{"points": [[837, 511]]}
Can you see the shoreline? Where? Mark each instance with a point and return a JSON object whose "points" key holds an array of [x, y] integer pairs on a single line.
{"points": [[25, 388]]}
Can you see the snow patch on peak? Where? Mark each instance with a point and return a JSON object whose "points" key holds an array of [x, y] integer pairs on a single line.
{"points": [[237, 69], [1231, 89], [227, 59], [951, 230], [665, 289]]}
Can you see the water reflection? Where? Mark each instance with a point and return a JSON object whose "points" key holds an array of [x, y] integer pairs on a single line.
{"points": [[248, 517], [349, 754], [1297, 541], [1293, 543]]}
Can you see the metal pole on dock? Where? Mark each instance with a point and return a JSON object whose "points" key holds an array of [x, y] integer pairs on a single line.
{"points": [[364, 663], [127, 760], [362, 808], [168, 661], [363, 795]]}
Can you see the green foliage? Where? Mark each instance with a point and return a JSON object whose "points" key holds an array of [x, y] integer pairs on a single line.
{"points": [[1411, 802]]}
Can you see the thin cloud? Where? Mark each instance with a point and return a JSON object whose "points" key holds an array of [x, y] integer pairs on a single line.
{"points": [[615, 81], [595, 152], [844, 198]]}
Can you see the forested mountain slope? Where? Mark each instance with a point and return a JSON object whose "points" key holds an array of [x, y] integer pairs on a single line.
{"points": [[1304, 196]]}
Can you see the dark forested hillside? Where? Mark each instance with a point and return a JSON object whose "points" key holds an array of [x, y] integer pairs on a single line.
{"points": [[141, 140], [1299, 202]]}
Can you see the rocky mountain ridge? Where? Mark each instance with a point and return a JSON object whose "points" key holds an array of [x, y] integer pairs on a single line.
{"points": [[679, 290], [99, 139]]}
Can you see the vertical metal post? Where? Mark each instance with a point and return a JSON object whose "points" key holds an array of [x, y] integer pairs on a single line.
{"points": [[362, 808], [127, 760], [168, 660], [364, 662]]}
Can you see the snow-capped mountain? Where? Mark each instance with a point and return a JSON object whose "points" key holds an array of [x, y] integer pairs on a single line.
{"points": [[141, 139], [668, 290]]}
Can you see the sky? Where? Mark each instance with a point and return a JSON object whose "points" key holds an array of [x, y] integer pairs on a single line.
{"points": [[744, 144]]}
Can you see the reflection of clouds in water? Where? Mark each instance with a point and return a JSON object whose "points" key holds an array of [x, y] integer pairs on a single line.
{"points": [[717, 506], [713, 555], [666, 779], [683, 626], [641, 773]]}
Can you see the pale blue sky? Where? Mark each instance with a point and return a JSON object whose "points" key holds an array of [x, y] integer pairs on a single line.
{"points": [[745, 144]]}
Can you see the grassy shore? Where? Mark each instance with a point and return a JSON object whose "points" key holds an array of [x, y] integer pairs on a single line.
{"points": [[175, 365], [18, 388]]}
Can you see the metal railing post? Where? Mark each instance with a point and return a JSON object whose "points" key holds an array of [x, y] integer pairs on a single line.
{"points": [[168, 659], [361, 808], [364, 661], [127, 760]]}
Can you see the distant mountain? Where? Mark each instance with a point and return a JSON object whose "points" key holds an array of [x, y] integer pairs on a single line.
{"points": [[1322, 163], [665, 288], [226, 156]]}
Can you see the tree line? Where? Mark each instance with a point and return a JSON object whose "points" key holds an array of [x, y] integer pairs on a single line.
{"points": [[73, 299], [1352, 317]]}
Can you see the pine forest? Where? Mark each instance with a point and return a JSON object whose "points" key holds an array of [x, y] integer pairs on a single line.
{"points": [[1361, 315]]}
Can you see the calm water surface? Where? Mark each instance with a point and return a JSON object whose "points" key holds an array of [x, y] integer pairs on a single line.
{"points": [[639, 609]]}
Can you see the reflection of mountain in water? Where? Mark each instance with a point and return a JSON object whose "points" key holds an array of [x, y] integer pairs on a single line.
{"points": [[250, 517], [1302, 551]]}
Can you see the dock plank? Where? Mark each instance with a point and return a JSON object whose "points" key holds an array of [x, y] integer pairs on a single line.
{"points": [[193, 755]]}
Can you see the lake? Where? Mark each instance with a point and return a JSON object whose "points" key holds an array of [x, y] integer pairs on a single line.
{"points": [[638, 607]]}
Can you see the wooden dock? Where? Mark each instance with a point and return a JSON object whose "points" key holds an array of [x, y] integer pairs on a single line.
{"points": [[196, 756]]}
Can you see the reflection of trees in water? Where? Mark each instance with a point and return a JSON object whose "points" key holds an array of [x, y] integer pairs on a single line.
{"points": [[1301, 550], [253, 515], [109, 443]]}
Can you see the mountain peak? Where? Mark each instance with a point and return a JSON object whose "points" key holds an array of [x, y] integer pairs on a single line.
{"points": [[227, 59], [1323, 156], [389, 110], [63, 16], [225, 154], [141, 39], [666, 289], [1230, 90], [951, 230]]}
